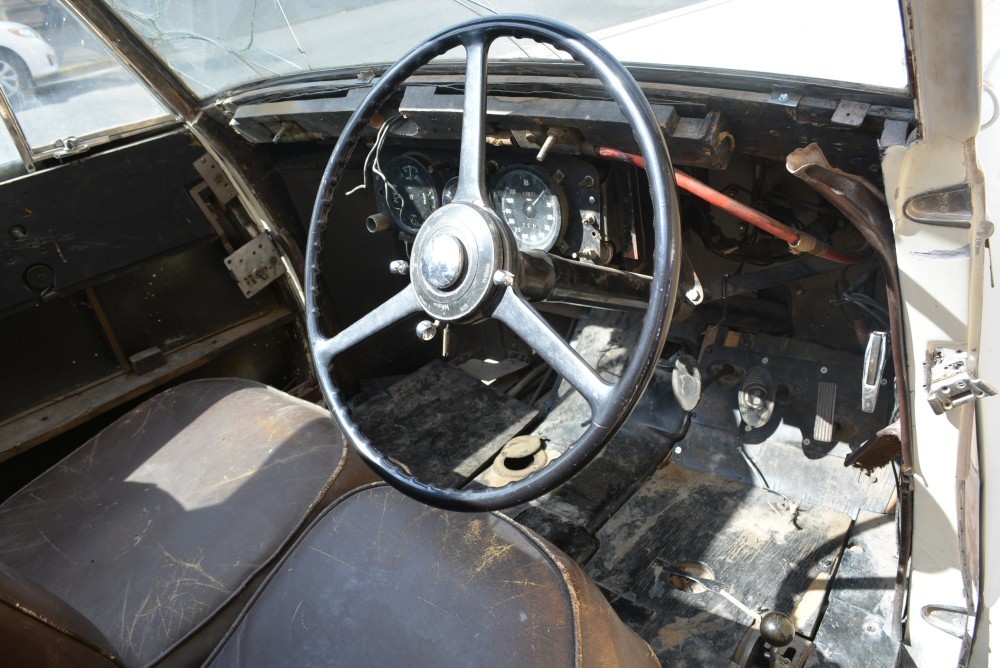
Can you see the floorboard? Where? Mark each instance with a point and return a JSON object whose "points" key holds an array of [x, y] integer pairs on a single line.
{"points": [[762, 553], [442, 423]]}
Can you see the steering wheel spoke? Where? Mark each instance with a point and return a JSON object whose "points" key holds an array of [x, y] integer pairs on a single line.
{"points": [[403, 304], [471, 168], [515, 312]]}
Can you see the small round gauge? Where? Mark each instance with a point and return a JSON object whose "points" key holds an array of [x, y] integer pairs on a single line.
{"points": [[410, 192], [531, 203], [450, 188]]}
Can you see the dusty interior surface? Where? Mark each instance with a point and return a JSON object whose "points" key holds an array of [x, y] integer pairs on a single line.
{"points": [[727, 494]]}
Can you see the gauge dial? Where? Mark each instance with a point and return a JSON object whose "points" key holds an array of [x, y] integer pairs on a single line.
{"points": [[410, 192], [450, 188], [531, 203]]}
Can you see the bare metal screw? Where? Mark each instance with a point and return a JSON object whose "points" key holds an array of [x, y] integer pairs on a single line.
{"points": [[806, 441], [503, 277], [823, 369], [783, 97], [426, 330], [399, 267], [747, 428], [884, 381], [764, 360]]}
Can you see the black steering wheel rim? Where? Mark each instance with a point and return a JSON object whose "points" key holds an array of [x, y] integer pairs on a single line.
{"points": [[610, 413]]}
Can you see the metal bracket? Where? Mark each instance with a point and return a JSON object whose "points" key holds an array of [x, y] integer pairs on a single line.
{"points": [[209, 169], [255, 265], [785, 97], [590, 246], [894, 133], [949, 382], [871, 373], [951, 619], [951, 207], [850, 113]]}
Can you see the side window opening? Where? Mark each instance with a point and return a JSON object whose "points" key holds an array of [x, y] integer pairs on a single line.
{"points": [[65, 90]]}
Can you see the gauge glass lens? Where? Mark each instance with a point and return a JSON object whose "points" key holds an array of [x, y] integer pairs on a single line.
{"points": [[529, 203], [450, 188], [410, 192]]}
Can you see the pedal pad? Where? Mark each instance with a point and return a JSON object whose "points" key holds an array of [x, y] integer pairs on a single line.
{"points": [[756, 397], [826, 405], [686, 382]]}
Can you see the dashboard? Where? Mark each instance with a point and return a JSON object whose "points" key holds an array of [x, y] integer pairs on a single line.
{"points": [[553, 206]]}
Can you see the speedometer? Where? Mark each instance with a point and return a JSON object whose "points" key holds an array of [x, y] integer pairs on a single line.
{"points": [[410, 192], [533, 205]]}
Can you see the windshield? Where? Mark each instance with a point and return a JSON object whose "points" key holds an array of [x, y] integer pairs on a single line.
{"points": [[217, 45]]}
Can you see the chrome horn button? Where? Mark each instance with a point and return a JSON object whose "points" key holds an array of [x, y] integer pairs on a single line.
{"points": [[442, 261], [457, 250]]}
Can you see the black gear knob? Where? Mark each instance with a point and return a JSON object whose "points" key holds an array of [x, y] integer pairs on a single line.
{"points": [[776, 629]]}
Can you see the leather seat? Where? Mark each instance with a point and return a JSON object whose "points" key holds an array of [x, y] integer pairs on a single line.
{"points": [[382, 580], [142, 547], [145, 542]]}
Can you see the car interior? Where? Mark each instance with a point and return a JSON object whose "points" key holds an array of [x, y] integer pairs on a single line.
{"points": [[429, 367]]}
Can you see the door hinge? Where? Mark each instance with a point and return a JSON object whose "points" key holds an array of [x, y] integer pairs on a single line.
{"points": [[255, 265]]}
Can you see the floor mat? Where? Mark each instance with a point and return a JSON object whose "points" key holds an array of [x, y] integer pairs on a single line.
{"points": [[768, 553], [442, 423]]}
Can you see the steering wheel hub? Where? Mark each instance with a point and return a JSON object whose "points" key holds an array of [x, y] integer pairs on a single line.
{"points": [[443, 261], [457, 251]]}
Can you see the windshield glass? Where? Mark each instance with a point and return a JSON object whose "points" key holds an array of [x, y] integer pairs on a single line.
{"points": [[217, 45]]}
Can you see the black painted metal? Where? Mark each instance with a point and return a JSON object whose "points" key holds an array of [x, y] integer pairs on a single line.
{"points": [[552, 278], [88, 221], [612, 412]]}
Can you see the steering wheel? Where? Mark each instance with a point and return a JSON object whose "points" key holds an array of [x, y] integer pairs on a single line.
{"points": [[464, 265]]}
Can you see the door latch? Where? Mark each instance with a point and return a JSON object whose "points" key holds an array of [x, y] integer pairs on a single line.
{"points": [[949, 382]]}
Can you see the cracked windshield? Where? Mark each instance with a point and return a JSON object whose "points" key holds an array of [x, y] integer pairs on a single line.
{"points": [[214, 46], [68, 93]]}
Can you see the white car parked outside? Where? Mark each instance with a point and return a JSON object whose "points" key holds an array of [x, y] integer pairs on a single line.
{"points": [[25, 59]]}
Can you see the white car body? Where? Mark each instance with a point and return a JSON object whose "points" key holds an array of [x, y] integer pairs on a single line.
{"points": [[31, 48]]}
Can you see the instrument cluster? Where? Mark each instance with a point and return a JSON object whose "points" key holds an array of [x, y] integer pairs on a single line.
{"points": [[538, 201]]}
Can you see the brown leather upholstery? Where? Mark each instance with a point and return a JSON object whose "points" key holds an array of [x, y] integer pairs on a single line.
{"points": [[36, 628], [381, 580], [157, 529]]}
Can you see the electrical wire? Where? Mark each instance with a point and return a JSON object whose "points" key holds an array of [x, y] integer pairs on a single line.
{"points": [[372, 159]]}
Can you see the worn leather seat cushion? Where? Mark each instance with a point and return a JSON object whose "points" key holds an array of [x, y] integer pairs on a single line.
{"points": [[36, 628], [382, 580], [154, 529]]}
